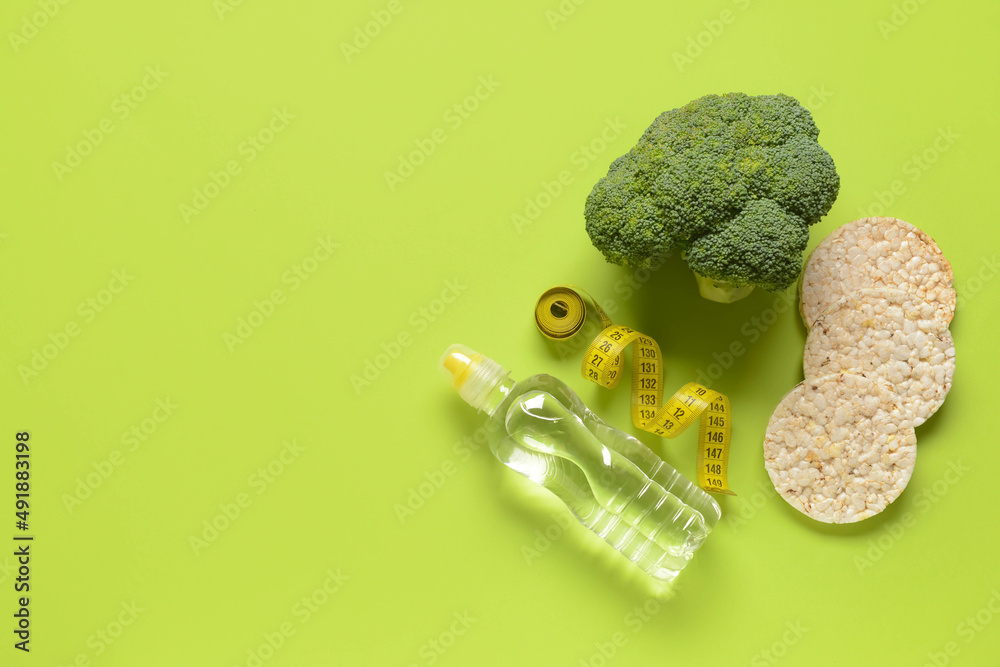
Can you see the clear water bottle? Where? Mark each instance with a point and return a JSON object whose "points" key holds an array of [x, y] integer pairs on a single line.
{"points": [[614, 484]]}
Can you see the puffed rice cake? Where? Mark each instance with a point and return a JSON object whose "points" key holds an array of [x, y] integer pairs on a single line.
{"points": [[839, 447], [876, 252], [893, 334]]}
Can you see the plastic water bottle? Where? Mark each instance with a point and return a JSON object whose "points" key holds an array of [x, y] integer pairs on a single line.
{"points": [[614, 484]]}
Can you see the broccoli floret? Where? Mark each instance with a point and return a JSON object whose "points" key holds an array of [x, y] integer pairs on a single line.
{"points": [[733, 181], [760, 247]]}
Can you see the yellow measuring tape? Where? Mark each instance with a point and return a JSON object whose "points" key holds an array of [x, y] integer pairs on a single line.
{"points": [[561, 312]]}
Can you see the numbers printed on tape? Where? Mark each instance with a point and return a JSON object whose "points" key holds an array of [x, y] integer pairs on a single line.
{"points": [[560, 313]]}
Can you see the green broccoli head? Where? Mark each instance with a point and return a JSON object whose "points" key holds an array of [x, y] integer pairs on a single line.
{"points": [[761, 247], [734, 181]]}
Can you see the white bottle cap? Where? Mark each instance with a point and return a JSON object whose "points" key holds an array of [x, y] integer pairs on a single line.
{"points": [[473, 375]]}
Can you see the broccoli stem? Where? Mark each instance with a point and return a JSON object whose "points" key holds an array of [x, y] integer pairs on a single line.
{"points": [[722, 292]]}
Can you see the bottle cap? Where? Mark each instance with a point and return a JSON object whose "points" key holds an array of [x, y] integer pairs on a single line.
{"points": [[473, 375]]}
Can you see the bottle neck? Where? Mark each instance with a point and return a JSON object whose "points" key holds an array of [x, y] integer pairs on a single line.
{"points": [[497, 395]]}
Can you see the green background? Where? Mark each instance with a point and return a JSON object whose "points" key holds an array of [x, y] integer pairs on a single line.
{"points": [[432, 260]]}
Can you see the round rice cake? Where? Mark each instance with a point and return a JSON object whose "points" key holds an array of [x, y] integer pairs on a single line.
{"points": [[892, 334], [839, 448], [876, 252]]}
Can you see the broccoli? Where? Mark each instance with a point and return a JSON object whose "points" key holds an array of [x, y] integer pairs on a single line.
{"points": [[732, 181]]}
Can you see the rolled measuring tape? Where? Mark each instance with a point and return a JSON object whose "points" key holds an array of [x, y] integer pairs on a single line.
{"points": [[561, 312]]}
